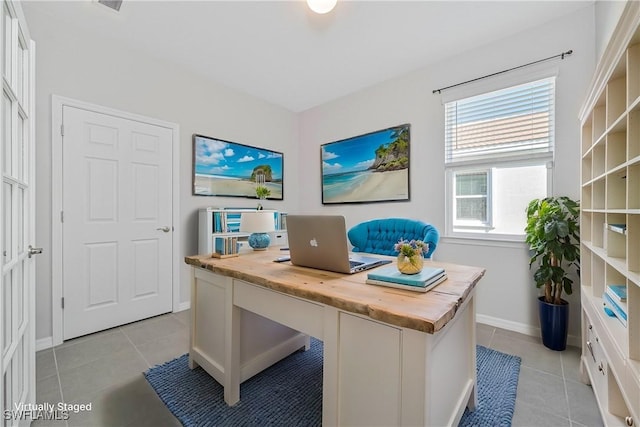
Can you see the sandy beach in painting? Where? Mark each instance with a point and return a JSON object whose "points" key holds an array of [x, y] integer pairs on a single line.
{"points": [[211, 185], [390, 185]]}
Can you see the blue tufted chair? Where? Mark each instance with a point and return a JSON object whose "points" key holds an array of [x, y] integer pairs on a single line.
{"points": [[378, 236]]}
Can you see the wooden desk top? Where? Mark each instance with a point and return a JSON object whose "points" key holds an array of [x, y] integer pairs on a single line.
{"points": [[426, 312]]}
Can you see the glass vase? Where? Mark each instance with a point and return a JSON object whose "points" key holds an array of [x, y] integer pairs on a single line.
{"points": [[410, 265]]}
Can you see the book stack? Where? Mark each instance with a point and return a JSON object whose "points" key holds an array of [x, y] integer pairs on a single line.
{"points": [[226, 246], [615, 302], [389, 276]]}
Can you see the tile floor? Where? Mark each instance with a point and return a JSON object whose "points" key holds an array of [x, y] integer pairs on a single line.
{"points": [[105, 369]]}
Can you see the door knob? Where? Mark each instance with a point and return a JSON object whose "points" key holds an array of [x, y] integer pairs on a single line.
{"points": [[33, 251], [166, 229]]}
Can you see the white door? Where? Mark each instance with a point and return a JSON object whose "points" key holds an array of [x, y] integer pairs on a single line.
{"points": [[116, 219], [17, 303]]}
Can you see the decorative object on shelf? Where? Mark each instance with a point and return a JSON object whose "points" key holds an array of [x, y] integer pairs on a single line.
{"points": [[367, 168], [553, 235], [259, 223], [262, 192], [224, 168], [410, 258]]}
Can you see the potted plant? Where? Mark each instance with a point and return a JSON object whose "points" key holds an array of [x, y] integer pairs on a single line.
{"points": [[553, 235], [262, 192]]}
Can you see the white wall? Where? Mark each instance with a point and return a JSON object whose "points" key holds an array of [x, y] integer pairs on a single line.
{"points": [[77, 65], [506, 295], [607, 14]]}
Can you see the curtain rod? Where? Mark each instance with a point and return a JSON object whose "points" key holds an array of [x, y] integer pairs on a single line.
{"points": [[561, 56]]}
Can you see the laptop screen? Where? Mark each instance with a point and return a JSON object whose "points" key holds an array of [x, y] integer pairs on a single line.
{"points": [[318, 241]]}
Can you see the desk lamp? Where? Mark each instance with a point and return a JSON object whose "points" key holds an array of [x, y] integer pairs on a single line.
{"points": [[258, 223]]}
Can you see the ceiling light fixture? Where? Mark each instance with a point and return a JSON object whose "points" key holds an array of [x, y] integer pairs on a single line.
{"points": [[322, 6]]}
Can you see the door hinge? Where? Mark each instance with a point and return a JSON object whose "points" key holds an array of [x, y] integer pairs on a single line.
{"points": [[62, 130], [61, 216], [62, 302]]}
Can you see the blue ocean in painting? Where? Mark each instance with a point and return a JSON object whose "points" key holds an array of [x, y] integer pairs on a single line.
{"points": [[341, 184]]}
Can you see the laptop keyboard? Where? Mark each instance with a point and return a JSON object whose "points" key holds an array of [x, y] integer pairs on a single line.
{"points": [[354, 263]]}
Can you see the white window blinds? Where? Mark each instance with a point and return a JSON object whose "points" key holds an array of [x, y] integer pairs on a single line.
{"points": [[517, 122]]}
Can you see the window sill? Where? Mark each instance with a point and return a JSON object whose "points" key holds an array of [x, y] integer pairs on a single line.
{"points": [[496, 241]]}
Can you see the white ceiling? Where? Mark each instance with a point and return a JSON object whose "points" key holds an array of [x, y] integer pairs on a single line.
{"points": [[281, 52]]}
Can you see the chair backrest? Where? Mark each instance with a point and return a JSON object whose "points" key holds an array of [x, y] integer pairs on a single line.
{"points": [[378, 236]]}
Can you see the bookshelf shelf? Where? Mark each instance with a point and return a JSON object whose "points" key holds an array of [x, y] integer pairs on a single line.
{"points": [[610, 224]]}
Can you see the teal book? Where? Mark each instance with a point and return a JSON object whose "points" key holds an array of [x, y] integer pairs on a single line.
{"points": [[431, 284], [614, 308], [391, 274], [618, 292]]}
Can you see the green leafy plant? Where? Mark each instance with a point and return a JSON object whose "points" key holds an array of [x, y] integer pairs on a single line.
{"points": [[553, 235], [262, 192]]}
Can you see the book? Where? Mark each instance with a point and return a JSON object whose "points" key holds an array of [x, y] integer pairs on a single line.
{"points": [[618, 228], [226, 245], [413, 288], [617, 292], [619, 307], [616, 309], [391, 274]]}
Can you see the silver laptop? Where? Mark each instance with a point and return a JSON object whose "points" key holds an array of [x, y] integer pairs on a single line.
{"points": [[320, 241]]}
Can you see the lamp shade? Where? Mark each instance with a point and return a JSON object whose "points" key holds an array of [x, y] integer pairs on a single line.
{"points": [[257, 221]]}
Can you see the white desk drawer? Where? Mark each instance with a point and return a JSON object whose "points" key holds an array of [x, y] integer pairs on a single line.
{"points": [[595, 360], [298, 314]]}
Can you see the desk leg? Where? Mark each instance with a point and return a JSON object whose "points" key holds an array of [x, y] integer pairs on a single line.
{"points": [[473, 398], [330, 393], [192, 329], [232, 350]]}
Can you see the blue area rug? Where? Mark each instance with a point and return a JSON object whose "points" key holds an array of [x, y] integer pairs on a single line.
{"points": [[289, 393], [497, 384]]}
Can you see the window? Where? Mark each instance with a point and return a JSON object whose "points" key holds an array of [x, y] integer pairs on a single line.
{"points": [[471, 198], [498, 151]]}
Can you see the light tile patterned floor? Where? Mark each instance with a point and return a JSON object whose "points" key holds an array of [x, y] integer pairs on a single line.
{"points": [[105, 368]]}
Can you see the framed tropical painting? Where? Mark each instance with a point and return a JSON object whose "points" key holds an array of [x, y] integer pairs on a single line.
{"points": [[224, 168], [373, 167]]}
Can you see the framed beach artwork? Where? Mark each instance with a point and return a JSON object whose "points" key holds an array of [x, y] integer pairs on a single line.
{"points": [[224, 168], [373, 167]]}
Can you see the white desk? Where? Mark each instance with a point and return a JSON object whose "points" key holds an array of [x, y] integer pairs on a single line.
{"points": [[391, 357]]}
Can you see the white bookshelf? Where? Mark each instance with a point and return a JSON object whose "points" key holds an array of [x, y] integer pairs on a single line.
{"points": [[610, 223], [223, 222]]}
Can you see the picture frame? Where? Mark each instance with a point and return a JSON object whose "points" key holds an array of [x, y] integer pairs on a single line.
{"points": [[368, 168], [231, 169]]}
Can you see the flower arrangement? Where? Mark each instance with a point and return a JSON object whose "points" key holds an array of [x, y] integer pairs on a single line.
{"points": [[410, 258], [410, 248]]}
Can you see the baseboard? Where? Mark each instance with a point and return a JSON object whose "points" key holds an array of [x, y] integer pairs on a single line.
{"points": [[44, 343], [183, 306], [522, 328]]}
